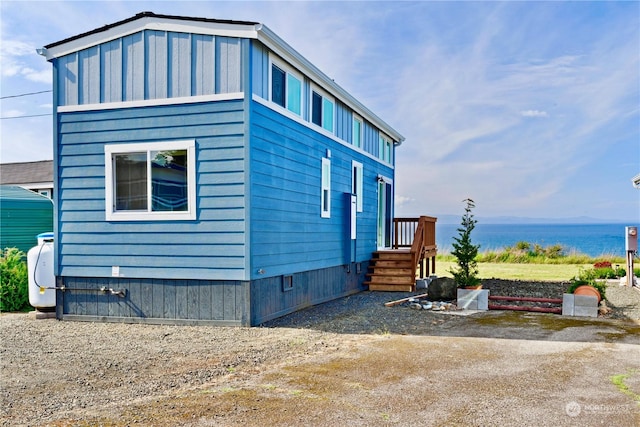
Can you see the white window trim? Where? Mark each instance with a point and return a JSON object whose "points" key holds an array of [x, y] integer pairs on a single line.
{"points": [[385, 147], [288, 70], [111, 149], [357, 118], [360, 184], [325, 213], [325, 95]]}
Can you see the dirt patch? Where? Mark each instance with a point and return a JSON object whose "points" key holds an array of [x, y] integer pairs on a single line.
{"points": [[350, 361]]}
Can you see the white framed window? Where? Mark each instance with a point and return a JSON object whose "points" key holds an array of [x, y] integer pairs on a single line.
{"points": [[322, 109], [356, 133], [285, 86], [325, 191], [385, 148], [150, 181], [357, 183]]}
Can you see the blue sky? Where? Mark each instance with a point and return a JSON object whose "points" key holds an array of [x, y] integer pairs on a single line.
{"points": [[532, 109]]}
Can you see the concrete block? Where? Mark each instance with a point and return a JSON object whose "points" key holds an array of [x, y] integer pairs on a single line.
{"points": [[38, 315], [567, 304], [422, 284], [585, 311], [585, 301], [473, 299], [585, 305], [579, 305], [483, 300]]}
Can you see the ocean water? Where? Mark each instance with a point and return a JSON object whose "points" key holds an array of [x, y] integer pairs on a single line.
{"points": [[589, 239]]}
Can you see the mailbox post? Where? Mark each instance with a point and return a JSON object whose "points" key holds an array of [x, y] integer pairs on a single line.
{"points": [[631, 246]]}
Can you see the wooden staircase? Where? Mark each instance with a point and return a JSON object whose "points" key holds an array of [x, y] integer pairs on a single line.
{"points": [[414, 245], [392, 270]]}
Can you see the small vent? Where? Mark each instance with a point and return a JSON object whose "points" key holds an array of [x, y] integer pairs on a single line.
{"points": [[287, 283]]}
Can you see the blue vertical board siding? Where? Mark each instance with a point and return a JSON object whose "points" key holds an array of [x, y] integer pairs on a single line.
{"points": [[287, 232], [67, 79], [260, 69], [156, 301], [156, 63], [89, 76], [343, 122], [210, 248], [179, 81], [228, 65], [110, 72], [150, 65], [203, 67], [370, 138], [133, 67], [270, 300]]}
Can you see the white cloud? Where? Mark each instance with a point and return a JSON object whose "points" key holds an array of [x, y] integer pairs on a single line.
{"points": [[18, 59], [12, 113], [534, 113], [403, 200]]}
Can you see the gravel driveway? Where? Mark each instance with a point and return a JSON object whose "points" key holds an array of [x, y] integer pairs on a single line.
{"points": [[348, 362]]}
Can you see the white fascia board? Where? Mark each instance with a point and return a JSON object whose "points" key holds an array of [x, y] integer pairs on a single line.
{"points": [[151, 102], [281, 48], [36, 185], [152, 23]]}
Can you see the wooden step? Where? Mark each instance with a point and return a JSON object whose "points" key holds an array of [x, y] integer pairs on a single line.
{"points": [[386, 271], [391, 255], [390, 288], [392, 263], [392, 280]]}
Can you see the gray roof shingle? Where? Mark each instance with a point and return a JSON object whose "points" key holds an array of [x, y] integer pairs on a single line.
{"points": [[27, 172]]}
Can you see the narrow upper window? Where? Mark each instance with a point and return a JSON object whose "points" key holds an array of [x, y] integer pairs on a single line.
{"points": [[356, 134], [286, 88], [150, 181], [278, 86], [322, 109], [356, 183], [325, 195], [385, 149]]}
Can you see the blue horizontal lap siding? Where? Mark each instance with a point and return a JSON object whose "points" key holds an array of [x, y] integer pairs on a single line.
{"points": [[288, 234], [210, 248]]}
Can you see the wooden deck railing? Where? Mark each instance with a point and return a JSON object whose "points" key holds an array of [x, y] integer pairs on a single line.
{"points": [[419, 234]]}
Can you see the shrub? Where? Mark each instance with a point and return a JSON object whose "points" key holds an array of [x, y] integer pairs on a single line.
{"points": [[554, 251], [602, 264], [466, 273], [588, 277], [14, 294]]}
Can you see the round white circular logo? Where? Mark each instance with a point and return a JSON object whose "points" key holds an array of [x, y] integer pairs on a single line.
{"points": [[573, 409]]}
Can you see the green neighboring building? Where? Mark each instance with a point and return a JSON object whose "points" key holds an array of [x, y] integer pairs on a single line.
{"points": [[23, 215]]}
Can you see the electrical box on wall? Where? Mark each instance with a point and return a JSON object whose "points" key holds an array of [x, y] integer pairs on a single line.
{"points": [[631, 238]]}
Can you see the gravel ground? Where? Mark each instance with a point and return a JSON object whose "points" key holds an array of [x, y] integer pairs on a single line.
{"points": [[350, 361]]}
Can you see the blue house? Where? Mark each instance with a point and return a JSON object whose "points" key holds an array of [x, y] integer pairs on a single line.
{"points": [[205, 172]]}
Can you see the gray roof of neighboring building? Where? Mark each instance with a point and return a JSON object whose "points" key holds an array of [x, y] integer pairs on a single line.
{"points": [[27, 172]]}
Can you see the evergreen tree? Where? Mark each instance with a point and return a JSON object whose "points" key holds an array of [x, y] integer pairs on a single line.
{"points": [[466, 273]]}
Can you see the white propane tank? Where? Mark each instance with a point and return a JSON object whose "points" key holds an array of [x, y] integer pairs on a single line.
{"points": [[41, 275]]}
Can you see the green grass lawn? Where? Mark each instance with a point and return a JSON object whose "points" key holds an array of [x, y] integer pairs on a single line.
{"points": [[555, 272]]}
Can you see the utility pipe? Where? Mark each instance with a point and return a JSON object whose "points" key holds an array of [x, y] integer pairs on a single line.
{"points": [[521, 308], [527, 299]]}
